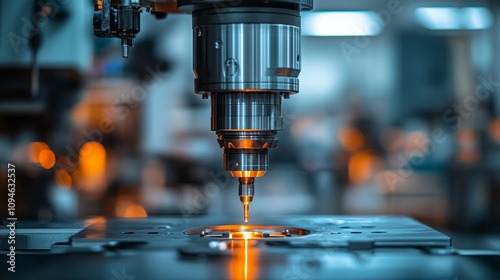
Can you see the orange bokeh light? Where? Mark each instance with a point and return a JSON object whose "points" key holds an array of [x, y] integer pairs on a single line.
{"points": [[135, 211], [362, 167], [34, 150], [468, 152], [47, 158], [92, 159], [494, 129], [351, 139], [127, 208], [63, 178], [40, 152]]}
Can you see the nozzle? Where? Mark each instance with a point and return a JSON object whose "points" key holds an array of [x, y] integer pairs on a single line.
{"points": [[125, 51], [126, 44], [245, 200], [246, 192]]}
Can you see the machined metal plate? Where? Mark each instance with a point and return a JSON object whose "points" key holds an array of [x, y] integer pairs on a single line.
{"points": [[297, 247], [322, 231]]}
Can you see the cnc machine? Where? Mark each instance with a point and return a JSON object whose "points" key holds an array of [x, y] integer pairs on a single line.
{"points": [[246, 60]]}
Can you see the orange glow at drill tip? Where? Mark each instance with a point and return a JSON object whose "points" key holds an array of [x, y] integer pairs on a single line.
{"points": [[247, 235]]}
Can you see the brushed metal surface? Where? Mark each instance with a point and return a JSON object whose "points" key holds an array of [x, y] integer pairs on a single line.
{"points": [[239, 57], [247, 111], [246, 160]]}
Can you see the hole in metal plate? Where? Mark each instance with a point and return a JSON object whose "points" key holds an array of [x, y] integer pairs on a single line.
{"points": [[246, 232]]}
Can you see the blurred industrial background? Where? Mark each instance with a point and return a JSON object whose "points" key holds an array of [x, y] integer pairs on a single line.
{"points": [[398, 114]]}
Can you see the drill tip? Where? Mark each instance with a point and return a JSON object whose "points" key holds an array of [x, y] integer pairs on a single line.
{"points": [[246, 200], [245, 212], [246, 191]]}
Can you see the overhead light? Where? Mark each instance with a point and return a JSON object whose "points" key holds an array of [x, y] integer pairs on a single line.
{"points": [[345, 23], [438, 18], [452, 18], [477, 18]]}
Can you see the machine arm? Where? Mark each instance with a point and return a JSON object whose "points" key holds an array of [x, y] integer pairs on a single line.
{"points": [[122, 18]]}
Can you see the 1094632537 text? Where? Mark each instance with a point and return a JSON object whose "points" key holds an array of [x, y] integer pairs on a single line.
{"points": [[11, 220]]}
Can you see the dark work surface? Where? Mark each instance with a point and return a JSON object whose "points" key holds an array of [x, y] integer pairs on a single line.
{"points": [[337, 247]]}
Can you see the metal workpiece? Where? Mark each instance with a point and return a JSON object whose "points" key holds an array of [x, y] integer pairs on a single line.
{"points": [[348, 232], [270, 247]]}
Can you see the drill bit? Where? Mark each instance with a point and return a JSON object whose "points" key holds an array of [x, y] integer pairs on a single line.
{"points": [[246, 191], [125, 47], [127, 43], [245, 200]]}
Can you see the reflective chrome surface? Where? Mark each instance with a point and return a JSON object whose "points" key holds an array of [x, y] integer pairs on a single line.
{"points": [[248, 111], [246, 56], [256, 57], [246, 125], [246, 192], [246, 160]]}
